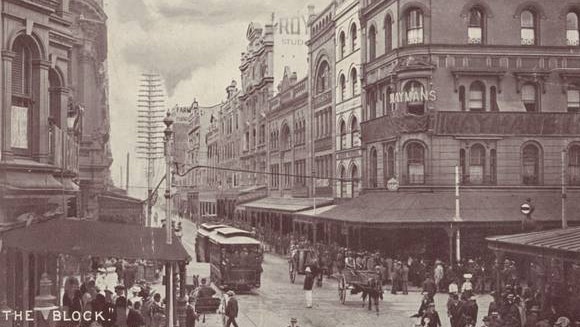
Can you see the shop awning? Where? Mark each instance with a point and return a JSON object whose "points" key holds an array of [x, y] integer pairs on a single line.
{"points": [[431, 208], [561, 242], [17, 181], [95, 238], [288, 205]]}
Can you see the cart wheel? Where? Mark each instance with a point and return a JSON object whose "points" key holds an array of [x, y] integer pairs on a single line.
{"points": [[341, 290]]}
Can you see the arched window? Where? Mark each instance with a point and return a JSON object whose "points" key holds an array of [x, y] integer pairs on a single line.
{"points": [[354, 181], [476, 164], [462, 97], [528, 28], [354, 133], [342, 135], [493, 166], [343, 181], [531, 164], [573, 95], [342, 87], [353, 82], [574, 164], [415, 163], [372, 104], [322, 78], [342, 44], [22, 97], [530, 97], [54, 97], [353, 37], [414, 24], [389, 162], [477, 96], [373, 182], [415, 90], [372, 43], [286, 139], [475, 26], [572, 29], [388, 34], [493, 99]]}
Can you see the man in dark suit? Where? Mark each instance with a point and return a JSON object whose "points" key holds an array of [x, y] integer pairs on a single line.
{"points": [[231, 310], [190, 315], [134, 316]]}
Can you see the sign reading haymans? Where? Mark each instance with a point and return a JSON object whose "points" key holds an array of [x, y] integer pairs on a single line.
{"points": [[414, 95]]}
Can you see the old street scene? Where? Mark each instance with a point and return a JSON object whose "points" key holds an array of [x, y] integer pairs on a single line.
{"points": [[305, 163]]}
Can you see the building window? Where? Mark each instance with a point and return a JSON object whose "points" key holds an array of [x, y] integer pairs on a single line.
{"points": [[388, 34], [287, 175], [342, 135], [574, 164], [531, 164], [415, 89], [572, 29], [342, 40], [477, 96], [414, 26], [353, 81], [354, 132], [354, 181], [389, 163], [322, 78], [387, 106], [493, 98], [372, 43], [353, 37], [530, 97], [573, 95], [475, 27], [416, 163], [21, 118], [528, 28], [372, 104], [463, 166], [342, 87], [342, 182], [462, 97], [275, 175], [373, 182], [493, 166], [476, 164], [286, 139]]}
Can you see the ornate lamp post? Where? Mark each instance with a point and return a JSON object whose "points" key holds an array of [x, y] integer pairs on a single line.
{"points": [[168, 121], [44, 303]]}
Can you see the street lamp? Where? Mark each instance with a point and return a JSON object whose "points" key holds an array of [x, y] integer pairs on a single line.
{"points": [[168, 121]]}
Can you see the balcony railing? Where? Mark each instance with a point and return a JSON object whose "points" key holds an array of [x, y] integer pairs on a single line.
{"points": [[64, 150]]}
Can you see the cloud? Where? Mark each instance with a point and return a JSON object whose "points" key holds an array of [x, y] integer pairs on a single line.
{"points": [[215, 12]]}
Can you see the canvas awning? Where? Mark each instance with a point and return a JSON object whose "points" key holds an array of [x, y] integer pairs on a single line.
{"points": [[96, 238], [287, 205], [556, 243], [478, 207]]}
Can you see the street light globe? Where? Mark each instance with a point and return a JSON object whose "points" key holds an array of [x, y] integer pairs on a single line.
{"points": [[168, 121]]}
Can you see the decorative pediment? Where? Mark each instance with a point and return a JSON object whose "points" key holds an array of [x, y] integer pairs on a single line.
{"points": [[569, 77], [459, 72], [536, 77]]}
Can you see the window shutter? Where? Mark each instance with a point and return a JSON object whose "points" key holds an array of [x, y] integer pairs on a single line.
{"points": [[17, 72]]}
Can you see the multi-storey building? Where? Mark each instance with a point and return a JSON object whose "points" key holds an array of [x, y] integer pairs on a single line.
{"points": [[491, 89], [54, 102], [348, 101], [289, 152], [321, 52], [257, 87]]}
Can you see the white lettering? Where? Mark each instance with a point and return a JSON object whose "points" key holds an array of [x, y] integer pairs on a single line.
{"points": [[412, 96], [99, 316], [432, 95], [29, 316], [56, 315], [75, 316]]}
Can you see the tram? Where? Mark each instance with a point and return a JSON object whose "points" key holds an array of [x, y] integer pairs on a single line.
{"points": [[235, 259], [202, 241]]}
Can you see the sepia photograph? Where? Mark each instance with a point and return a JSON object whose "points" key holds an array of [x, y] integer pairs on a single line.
{"points": [[301, 163]]}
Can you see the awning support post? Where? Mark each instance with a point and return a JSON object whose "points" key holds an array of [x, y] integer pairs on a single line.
{"points": [[458, 245]]}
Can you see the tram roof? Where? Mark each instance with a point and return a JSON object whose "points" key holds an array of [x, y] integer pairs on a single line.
{"points": [[232, 232], [207, 229], [236, 240]]}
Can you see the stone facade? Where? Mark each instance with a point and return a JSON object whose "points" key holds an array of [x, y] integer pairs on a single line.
{"points": [[492, 89]]}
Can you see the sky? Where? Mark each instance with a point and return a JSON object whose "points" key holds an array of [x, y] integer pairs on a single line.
{"points": [[194, 45]]}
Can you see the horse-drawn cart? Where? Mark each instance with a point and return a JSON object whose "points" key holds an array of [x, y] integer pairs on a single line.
{"points": [[366, 281]]}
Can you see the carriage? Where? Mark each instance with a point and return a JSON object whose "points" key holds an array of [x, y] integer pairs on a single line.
{"points": [[356, 281]]}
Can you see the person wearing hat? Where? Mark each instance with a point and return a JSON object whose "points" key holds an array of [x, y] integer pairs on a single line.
{"points": [[453, 307], [495, 320], [486, 321], [467, 286], [510, 313], [431, 318], [231, 309], [430, 286], [532, 317], [190, 315], [308, 283]]}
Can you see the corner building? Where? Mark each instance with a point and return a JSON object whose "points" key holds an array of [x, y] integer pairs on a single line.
{"points": [[490, 88]]}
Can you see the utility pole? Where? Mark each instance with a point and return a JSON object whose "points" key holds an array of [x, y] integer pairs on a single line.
{"points": [[127, 175], [564, 219], [150, 110], [168, 221]]}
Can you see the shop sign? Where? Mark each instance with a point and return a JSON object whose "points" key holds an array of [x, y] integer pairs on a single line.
{"points": [[412, 96]]}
